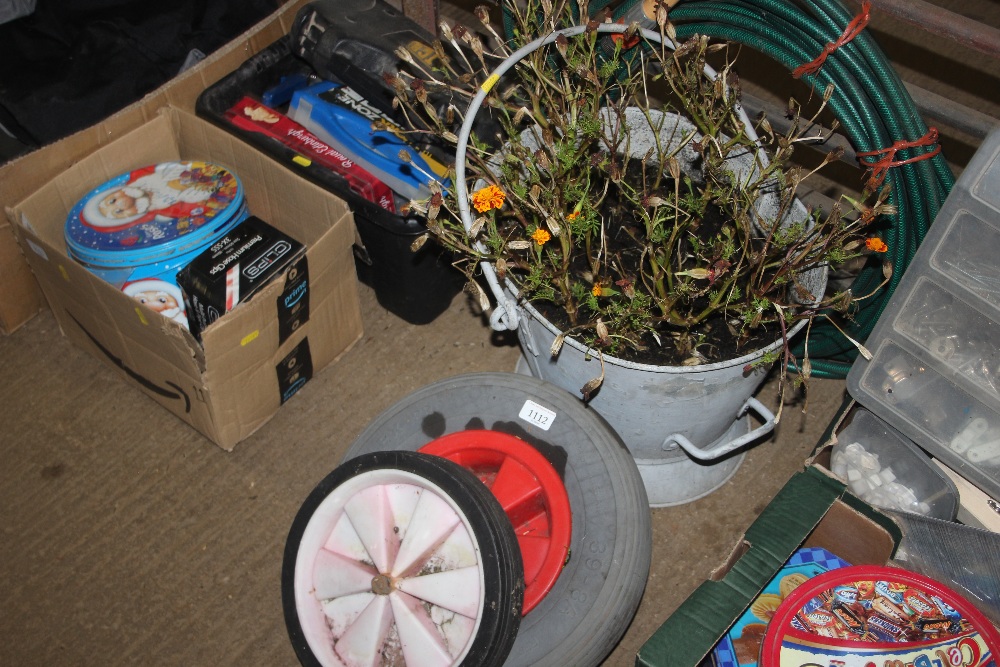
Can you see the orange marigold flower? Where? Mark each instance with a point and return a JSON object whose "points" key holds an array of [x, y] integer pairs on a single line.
{"points": [[488, 198], [596, 290], [876, 245], [573, 216], [541, 236]]}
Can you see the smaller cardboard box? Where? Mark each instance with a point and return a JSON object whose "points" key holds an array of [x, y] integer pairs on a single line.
{"points": [[246, 365], [812, 510]]}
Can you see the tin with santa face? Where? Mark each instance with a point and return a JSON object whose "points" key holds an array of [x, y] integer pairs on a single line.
{"points": [[137, 230]]}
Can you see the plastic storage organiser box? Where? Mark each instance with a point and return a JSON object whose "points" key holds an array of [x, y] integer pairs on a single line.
{"points": [[935, 371]]}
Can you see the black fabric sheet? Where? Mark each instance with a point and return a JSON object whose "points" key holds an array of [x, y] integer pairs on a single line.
{"points": [[74, 62]]}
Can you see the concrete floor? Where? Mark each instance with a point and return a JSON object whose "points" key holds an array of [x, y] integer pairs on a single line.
{"points": [[128, 538]]}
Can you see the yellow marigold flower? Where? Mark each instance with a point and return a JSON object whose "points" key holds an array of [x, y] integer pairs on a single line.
{"points": [[876, 245], [488, 198], [573, 216], [596, 290], [540, 236]]}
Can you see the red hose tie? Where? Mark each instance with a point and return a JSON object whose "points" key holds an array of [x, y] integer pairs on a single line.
{"points": [[853, 29], [880, 167]]}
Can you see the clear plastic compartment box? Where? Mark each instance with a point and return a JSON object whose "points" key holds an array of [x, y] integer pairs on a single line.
{"points": [[891, 472], [935, 371]]}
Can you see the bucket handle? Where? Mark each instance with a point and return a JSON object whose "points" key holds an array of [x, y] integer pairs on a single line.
{"points": [[504, 316], [702, 455]]}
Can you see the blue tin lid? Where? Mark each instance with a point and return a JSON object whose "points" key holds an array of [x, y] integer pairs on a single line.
{"points": [[153, 213]]}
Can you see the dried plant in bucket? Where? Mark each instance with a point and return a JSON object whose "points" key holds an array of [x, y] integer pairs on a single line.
{"points": [[612, 179]]}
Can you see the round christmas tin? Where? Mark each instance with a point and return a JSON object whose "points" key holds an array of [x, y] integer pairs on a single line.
{"points": [[145, 225], [865, 616]]}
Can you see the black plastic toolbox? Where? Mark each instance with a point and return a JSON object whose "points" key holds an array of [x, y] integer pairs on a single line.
{"points": [[416, 286]]}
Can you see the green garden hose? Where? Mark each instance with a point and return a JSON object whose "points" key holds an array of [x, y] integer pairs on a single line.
{"points": [[874, 110]]}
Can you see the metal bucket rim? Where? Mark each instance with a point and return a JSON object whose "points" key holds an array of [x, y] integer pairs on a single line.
{"points": [[525, 306]]}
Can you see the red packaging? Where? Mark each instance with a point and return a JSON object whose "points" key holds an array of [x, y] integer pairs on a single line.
{"points": [[250, 115]]}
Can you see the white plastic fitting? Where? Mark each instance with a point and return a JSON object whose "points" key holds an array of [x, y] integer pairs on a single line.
{"points": [[968, 436]]}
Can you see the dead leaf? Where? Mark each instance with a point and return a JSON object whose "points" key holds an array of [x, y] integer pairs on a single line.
{"points": [[557, 345], [419, 242], [592, 385]]}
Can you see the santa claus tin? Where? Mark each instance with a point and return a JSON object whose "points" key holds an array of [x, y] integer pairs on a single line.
{"points": [[867, 616], [145, 225]]}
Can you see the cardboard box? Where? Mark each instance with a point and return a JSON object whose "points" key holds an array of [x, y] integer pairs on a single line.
{"points": [[20, 296], [813, 509], [244, 371]]}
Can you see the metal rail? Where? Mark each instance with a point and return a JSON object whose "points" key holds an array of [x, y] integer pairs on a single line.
{"points": [[919, 13], [943, 23], [949, 112], [946, 24]]}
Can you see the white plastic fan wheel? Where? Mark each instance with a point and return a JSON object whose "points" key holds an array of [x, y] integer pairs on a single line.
{"points": [[598, 590], [401, 559]]}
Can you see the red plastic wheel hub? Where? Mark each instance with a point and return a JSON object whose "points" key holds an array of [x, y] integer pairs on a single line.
{"points": [[531, 493]]}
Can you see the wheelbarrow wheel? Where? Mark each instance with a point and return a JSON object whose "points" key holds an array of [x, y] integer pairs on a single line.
{"points": [[401, 558], [530, 491], [593, 600]]}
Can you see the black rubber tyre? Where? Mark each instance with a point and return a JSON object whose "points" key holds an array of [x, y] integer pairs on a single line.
{"points": [[592, 603], [485, 525]]}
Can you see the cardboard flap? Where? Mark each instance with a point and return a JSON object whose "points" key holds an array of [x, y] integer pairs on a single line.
{"points": [[150, 144], [871, 544], [23, 299]]}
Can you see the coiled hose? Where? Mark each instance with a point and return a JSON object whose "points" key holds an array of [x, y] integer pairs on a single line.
{"points": [[873, 109]]}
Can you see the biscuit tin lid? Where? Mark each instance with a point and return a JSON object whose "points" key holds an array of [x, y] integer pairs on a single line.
{"points": [[146, 213], [861, 616]]}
